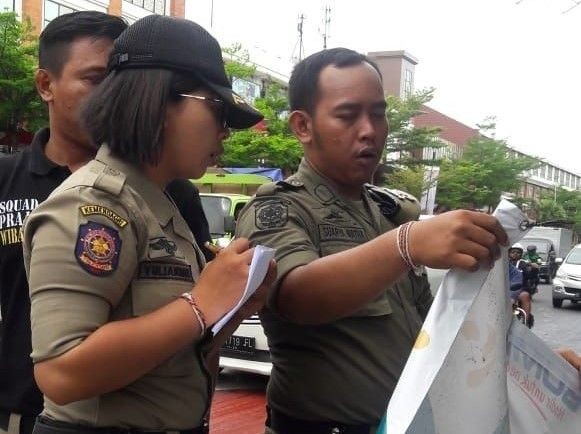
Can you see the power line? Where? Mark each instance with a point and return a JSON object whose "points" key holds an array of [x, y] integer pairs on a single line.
{"points": [[576, 3]]}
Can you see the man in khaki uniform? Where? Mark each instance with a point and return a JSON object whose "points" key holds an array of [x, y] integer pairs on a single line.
{"points": [[350, 294]]}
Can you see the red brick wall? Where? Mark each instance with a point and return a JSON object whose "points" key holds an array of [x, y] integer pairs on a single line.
{"points": [[32, 9]]}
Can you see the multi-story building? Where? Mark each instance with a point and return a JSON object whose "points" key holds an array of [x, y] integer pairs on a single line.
{"points": [[398, 69], [41, 12]]}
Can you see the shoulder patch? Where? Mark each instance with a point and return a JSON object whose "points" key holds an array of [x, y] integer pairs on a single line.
{"points": [[270, 214], [98, 248], [92, 209]]}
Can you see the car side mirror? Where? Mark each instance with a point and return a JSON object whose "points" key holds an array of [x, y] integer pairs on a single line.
{"points": [[229, 224], [559, 261]]}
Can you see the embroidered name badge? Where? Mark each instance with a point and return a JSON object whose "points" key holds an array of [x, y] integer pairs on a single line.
{"points": [[271, 215], [98, 248], [88, 210], [338, 233], [165, 270], [160, 247]]}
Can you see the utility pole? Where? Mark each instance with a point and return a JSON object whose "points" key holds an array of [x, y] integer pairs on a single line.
{"points": [[300, 40], [211, 13], [326, 25]]}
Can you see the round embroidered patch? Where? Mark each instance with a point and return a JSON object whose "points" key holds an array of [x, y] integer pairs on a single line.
{"points": [[98, 247]]}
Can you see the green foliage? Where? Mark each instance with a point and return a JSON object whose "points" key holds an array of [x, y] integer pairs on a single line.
{"points": [[237, 62], [409, 179], [18, 61], [462, 184], [483, 173], [274, 147], [404, 139], [560, 205]]}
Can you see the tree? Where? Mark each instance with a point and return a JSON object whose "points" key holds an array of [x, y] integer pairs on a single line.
{"points": [[405, 143], [410, 179], [275, 146], [270, 145], [237, 63], [485, 171], [19, 101], [561, 205]]}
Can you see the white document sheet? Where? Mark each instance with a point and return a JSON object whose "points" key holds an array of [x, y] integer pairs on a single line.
{"points": [[258, 269]]}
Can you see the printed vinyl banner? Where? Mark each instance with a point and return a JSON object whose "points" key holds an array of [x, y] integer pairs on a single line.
{"points": [[456, 381]]}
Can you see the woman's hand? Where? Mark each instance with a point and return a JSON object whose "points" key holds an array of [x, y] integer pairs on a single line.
{"points": [[222, 282], [463, 239]]}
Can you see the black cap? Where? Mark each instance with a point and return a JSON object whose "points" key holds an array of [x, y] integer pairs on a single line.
{"points": [[158, 41]]}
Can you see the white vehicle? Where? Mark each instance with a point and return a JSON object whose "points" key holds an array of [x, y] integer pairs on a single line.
{"points": [[567, 282]]}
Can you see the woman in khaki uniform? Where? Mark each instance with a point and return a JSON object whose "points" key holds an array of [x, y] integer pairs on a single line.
{"points": [[120, 306]]}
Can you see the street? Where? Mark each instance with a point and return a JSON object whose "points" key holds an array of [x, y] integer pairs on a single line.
{"points": [[557, 327], [239, 401]]}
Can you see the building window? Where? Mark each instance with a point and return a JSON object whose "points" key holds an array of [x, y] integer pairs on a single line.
{"points": [[155, 6], [7, 5], [247, 89], [545, 170], [408, 83], [52, 10]]}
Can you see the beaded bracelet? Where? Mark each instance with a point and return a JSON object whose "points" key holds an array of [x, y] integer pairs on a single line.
{"points": [[403, 244], [197, 311]]}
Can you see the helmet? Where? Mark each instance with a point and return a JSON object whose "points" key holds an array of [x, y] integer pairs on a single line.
{"points": [[516, 247]]}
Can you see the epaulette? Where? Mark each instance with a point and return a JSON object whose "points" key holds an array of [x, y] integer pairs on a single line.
{"points": [[110, 180], [396, 205], [272, 188]]}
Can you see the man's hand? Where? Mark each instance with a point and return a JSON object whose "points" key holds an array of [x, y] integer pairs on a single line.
{"points": [[463, 239], [571, 356]]}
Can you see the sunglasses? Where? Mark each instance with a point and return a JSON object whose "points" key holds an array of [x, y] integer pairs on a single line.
{"points": [[218, 107]]}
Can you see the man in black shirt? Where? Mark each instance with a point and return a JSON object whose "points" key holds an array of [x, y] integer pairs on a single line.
{"points": [[73, 55]]}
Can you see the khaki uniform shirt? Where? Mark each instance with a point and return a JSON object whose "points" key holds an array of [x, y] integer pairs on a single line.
{"points": [[344, 371], [108, 245]]}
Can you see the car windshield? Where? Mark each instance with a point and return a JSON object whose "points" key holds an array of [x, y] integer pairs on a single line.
{"points": [[216, 208], [574, 257]]}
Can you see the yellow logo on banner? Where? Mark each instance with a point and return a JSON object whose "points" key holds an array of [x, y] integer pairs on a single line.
{"points": [[422, 341]]}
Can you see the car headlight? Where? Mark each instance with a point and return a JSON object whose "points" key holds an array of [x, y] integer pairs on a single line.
{"points": [[562, 274], [558, 285]]}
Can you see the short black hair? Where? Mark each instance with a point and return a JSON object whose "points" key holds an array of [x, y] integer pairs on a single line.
{"points": [[60, 33], [304, 82], [127, 111]]}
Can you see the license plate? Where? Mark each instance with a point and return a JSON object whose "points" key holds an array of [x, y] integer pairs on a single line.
{"points": [[240, 345]]}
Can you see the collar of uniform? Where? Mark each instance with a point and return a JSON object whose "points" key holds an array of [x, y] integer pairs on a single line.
{"points": [[320, 186], [39, 163], [158, 202]]}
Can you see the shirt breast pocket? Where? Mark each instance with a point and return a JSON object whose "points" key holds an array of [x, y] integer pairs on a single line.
{"points": [[158, 284]]}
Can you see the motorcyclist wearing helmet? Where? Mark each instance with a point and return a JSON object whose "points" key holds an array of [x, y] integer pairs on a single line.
{"points": [[519, 291], [533, 258]]}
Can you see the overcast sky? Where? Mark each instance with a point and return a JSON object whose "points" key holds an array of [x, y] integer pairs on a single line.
{"points": [[517, 61]]}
